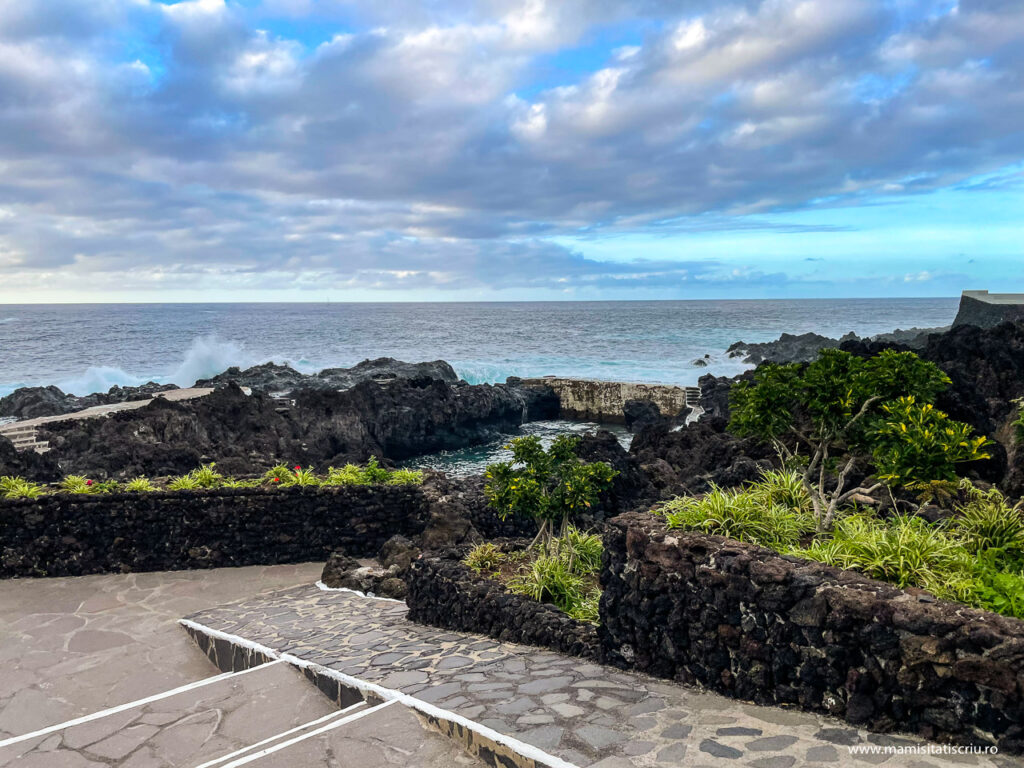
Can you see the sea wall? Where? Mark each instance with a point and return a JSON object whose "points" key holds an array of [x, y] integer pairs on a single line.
{"points": [[987, 310], [746, 622], [72, 535], [445, 593], [591, 400]]}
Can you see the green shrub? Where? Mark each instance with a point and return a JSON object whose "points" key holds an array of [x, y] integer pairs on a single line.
{"points": [[915, 443], [987, 521], [484, 557], [350, 474], [841, 410], [203, 477], [774, 512], [405, 477], [548, 486], [139, 485], [76, 484], [999, 590], [279, 475], [19, 488], [374, 473]]}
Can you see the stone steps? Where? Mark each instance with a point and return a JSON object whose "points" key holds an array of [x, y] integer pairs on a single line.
{"points": [[519, 706]]}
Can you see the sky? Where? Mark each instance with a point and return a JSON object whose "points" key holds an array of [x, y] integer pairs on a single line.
{"points": [[349, 150]]}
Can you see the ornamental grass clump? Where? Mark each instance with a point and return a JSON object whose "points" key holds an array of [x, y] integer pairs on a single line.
{"points": [[19, 488], [76, 484], [139, 485], [565, 576], [775, 512], [204, 477]]}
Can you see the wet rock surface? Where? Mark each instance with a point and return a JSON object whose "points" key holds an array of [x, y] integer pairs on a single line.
{"points": [[744, 621], [245, 434]]}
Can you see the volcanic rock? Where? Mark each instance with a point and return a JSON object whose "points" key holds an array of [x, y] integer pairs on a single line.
{"points": [[246, 434], [27, 464], [273, 377], [33, 402], [398, 551]]}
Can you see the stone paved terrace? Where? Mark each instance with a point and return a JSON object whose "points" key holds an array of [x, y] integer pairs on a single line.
{"points": [[580, 712], [72, 648]]}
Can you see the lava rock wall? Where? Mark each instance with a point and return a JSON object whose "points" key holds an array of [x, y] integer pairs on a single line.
{"points": [[749, 623], [445, 593], [72, 535]]}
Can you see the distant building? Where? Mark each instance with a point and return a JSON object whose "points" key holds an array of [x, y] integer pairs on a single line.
{"points": [[985, 309]]}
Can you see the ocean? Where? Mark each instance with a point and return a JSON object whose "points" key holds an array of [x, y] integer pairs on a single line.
{"points": [[85, 348]]}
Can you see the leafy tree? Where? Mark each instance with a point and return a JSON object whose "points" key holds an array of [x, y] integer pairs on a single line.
{"points": [[843, 409], [548, 486]]}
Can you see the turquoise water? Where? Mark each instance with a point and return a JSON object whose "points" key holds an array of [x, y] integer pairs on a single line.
{"points": [[88, 348], [473, 461]]}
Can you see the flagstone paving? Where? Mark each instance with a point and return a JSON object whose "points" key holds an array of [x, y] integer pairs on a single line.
{"points": [[581, 712]]}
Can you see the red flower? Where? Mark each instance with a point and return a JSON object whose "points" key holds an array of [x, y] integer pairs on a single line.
{"points": [[297, 467], [88, 482], [277, 479]]}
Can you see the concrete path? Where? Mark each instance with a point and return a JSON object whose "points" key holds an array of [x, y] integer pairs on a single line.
{"points": [[71, 649], [577, 712]]}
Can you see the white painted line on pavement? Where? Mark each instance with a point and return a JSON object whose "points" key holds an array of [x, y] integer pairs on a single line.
{"points": [[303, 737], [132, 704], [388, 694], [276, 736], [324, 588]]}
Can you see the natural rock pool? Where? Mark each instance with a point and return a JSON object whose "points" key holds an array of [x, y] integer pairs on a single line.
{"points": [[474, 460]]}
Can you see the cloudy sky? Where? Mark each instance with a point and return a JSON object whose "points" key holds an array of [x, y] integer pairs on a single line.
{"points": [[509, 149]]}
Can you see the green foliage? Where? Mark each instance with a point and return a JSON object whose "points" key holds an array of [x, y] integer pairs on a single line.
{"points": [[774, 512], [915, 443], [374, 473], [555, 579], [139, 485], [548, 486], [1018, 423], [987, 521], [277, 475], [350, 474], [203, 477], [19, 488], [907, 551], [405, 477], [484, 557], [307, 476], [999, 590], [843, 409], [234, 482], [585, 549], [76, 484]]}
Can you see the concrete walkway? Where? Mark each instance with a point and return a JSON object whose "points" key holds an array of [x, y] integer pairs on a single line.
{"points": [[71, 649], [577, 712]]}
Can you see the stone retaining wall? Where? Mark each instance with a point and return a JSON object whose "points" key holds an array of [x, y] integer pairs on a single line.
{"points": [[71, 535], [746, 622], [445, 593]]}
